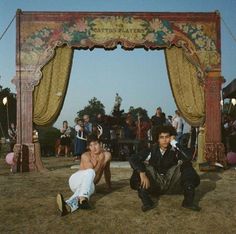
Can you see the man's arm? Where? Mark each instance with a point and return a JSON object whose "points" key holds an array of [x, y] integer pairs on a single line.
{"points": [[107, 174], [137, 163], [137, 160], [101, 166]]}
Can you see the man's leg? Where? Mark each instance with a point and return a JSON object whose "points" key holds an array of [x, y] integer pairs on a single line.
{"points": [[143, 193], [81, 183], [147, 202], [190, 180], [188, 202], [183, 178], [173, 180], [87, 189]]}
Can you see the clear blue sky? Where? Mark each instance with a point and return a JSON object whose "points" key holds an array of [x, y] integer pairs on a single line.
{"points": [[139, 76]]}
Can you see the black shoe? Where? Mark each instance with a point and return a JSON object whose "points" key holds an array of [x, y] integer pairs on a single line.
{"points": [[147, 207], [62, 206], [84, 205], [192, 206]]}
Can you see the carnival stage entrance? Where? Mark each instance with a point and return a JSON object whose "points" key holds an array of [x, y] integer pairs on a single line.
{"points": [[45, 44]]}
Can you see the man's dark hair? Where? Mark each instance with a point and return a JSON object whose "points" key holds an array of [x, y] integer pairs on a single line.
{"points": [[91, 138], [165, 129]]}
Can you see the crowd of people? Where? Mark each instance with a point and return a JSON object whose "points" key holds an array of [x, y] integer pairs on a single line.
{"points": [[109, 129], [77, 144]]}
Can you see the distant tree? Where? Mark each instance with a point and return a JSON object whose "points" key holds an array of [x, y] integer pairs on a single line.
{"points": [[138, 111], [92, 109]]}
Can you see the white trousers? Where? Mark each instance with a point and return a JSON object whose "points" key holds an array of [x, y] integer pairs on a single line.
{"points": [[81, 184]]}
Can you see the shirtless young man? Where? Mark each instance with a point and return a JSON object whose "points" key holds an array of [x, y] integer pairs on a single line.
{"points": [[93, 164]]}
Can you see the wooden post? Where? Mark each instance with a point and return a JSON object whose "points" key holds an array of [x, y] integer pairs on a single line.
{"points": [[214, 149], [24, 148]]}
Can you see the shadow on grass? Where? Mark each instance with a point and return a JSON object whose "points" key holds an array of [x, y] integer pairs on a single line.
{"points": [[208, 184], [101, 189]]}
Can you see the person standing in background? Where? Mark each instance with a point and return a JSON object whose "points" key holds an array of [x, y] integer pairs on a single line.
{"points": [[157, 121], [12, 136], [178, 124], [88, 127], [80, 139], [65, 140]]}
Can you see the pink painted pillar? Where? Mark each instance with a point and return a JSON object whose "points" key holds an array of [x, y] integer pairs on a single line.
{"points": [[24, 148], [214, 149]]}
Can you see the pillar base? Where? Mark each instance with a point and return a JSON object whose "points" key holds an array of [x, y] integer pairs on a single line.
{"points": [[215, 152], [27, 157]]}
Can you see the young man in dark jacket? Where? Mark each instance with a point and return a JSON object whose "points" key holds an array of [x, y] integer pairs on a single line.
{"points": [[166, 168]]}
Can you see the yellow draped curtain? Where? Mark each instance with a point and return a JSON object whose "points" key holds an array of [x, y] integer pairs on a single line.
{"points": [[187, 92], [49, 95]]}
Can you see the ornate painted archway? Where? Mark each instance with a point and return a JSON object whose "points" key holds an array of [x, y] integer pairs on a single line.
{"points": [[39, 33]]}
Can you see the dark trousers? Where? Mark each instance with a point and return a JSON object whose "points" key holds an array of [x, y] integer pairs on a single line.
{"points": [[174, 181]]}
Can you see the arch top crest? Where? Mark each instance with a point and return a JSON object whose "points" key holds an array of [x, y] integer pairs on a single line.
{"points": [[39, 33]]}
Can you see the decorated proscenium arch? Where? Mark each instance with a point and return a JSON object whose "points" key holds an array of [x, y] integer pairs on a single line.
{"points": [[40, 33]]}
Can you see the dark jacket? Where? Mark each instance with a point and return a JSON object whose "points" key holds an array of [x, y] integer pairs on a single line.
{"points": [[157, 121], [161, 163]]}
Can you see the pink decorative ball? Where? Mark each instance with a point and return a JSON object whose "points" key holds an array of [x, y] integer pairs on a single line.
{"points": [[10, 158], [231, 157]]}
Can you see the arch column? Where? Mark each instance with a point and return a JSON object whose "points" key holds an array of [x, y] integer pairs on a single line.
{"points": [[214, 148], [24, 148]]}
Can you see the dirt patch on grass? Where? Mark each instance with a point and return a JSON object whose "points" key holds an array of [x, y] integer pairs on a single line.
{"points": [[28, 204]]}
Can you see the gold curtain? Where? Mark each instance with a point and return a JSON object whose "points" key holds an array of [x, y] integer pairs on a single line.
{"points": [[49, 95], [188, 94]]}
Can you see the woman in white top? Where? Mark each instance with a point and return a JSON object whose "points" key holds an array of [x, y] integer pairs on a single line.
{"points": [[81, 139]]}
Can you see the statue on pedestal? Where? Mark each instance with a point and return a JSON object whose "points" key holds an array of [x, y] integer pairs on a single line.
{"points": [[116, 110]]}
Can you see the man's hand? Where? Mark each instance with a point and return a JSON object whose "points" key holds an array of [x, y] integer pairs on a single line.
{"points": [[145, 183], [172, 137]]}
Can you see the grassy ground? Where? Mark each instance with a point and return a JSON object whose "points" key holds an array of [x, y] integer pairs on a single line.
{"points": [[28, 205]]}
